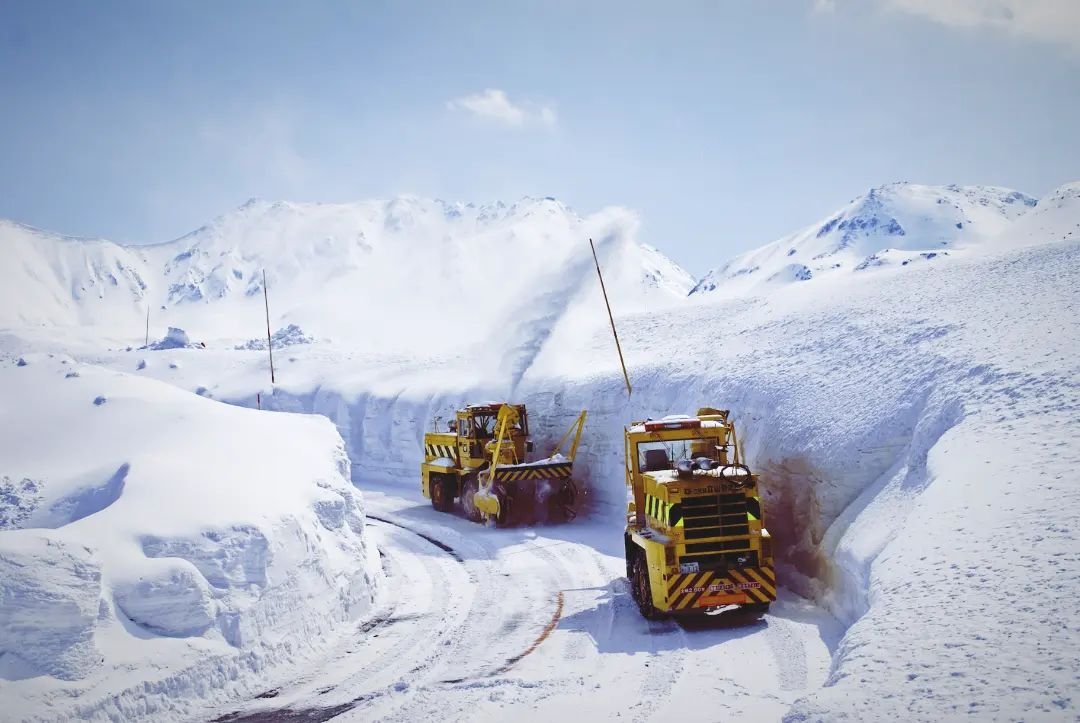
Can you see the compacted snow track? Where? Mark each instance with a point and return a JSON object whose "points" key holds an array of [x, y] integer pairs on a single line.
{"points": [[476, 623]]}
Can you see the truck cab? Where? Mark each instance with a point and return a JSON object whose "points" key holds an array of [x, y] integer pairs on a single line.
{"points": [[452, 458], [695, 535]]}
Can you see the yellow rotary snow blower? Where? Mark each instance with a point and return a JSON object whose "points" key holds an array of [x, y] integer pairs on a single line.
{"points": [[481, 461]]}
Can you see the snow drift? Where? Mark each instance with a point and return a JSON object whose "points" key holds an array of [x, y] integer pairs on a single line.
{"points": [[290, 335], [174, 338], [157, 542]]}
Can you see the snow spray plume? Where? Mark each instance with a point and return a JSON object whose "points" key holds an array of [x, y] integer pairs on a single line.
{"points": [[532, 322]]}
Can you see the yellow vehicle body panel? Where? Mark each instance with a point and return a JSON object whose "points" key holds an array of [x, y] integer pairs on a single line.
{"points": [[699, 528]]}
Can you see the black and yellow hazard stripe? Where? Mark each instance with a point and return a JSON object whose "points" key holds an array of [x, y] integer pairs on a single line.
{"points": [[757, 583], [653, 507], [435, 451], [519, 474], [668, 514]]}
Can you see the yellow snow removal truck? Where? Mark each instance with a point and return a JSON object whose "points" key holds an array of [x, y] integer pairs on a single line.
{"points": [[695, 538], [481, 460]]}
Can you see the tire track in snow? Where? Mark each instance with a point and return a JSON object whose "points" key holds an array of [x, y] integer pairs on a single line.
{"points": [[440, 598], [586, 572], [564, 575], [469, 646], [541, 638], [438, 543], [788, 652], [662, 671], [412, 601]]}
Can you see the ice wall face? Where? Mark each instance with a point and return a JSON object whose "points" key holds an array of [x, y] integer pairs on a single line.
{"points": [[146, 528]]}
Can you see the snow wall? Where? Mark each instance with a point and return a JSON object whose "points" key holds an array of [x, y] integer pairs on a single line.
{"points": [[161, 553], [849, 405]]}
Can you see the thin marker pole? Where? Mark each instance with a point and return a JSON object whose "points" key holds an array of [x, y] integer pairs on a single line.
{"points": [[611, 318], [269, 343], [147, 326]]}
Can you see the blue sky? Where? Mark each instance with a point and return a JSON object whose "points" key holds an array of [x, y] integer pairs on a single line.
{"points": [[724, 124]]}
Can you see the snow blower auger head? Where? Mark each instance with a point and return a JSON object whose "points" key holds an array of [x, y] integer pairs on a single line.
{"points": [[695, 537], [481, 461]]}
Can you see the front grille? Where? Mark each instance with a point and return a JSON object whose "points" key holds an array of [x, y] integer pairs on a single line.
{"points": [[706, 516]]}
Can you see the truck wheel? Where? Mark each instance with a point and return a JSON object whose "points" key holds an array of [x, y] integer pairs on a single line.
{"points": [[441, 498], [641, 590], [468, 500]]}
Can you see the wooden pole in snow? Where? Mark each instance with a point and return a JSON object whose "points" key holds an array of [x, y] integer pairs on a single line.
{"points": [[611, 318], [269, 343]]}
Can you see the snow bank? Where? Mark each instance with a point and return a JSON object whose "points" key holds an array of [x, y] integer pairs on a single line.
{"points": [[290, 335], [52, 596], [161, 552], [175, 338]]}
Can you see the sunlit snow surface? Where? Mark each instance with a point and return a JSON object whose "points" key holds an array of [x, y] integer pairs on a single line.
{"points": [[913, 424]]}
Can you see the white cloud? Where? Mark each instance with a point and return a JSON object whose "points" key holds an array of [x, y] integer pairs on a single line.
{"points": [[1055, 21], [494, 106], [824, 6]]}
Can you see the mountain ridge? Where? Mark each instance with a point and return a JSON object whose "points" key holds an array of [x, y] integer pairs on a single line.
{"points": [[349, 262], [893, 224]]}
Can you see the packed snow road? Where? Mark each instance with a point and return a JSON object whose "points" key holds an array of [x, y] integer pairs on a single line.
{"points": [[478, 623]]}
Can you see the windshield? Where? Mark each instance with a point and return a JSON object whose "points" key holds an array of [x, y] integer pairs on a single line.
{"points": [[661, 455], [485, 424]]}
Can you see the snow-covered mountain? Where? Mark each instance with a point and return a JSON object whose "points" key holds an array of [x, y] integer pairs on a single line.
{"points": [[1057, 217], [896, 224], [341, 270], [63, 280]]}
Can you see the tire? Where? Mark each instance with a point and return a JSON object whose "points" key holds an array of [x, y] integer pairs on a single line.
{"points": [[468, 504], [757, 609], [640, 588], [442, 499]]}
